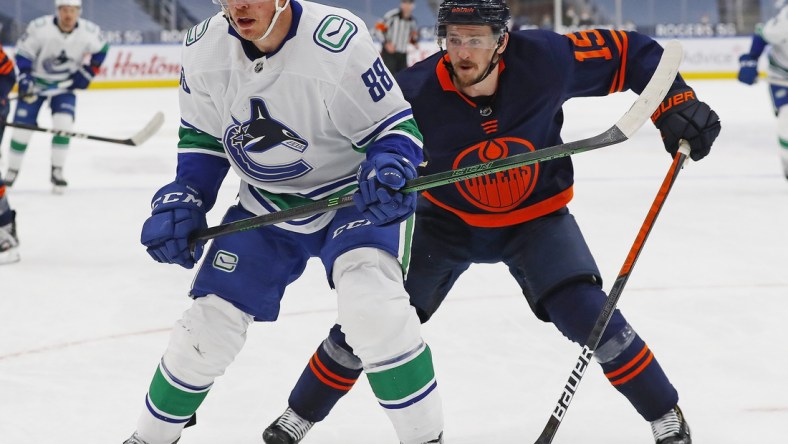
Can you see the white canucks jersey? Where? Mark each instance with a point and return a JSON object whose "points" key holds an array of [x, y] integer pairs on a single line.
{"points": [[55, 54], [775, 33], [294, 124]]}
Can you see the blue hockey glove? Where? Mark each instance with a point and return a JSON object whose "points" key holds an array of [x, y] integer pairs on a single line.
{"points": [[379, 180], [748, 69], [82, 77], [682, 116], [177, 211], [27, 85]]}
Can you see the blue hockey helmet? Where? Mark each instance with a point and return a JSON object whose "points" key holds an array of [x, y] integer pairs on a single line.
{"points": [[494, 13]]}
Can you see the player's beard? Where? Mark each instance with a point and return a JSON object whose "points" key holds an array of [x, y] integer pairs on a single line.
{"points": [[466, 78]]}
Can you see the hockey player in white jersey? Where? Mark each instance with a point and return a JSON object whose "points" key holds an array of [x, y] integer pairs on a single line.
{"points": [[56, 55], [774, 35], [293, 96]]}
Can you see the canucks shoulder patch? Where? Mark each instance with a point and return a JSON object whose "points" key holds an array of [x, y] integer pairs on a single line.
{"points": [[196, 32], [334, 33]]}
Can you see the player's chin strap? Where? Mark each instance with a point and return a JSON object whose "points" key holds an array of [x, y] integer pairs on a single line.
{"points": [[492, 65], [277, 13]]}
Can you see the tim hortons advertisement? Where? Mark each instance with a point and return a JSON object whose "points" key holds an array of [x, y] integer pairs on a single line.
{"points": [[130, 66]]}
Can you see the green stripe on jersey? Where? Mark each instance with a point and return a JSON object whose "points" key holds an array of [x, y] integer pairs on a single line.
{"points": [[406, 241], [403, 381], [407, 126], [172, 400], [190, 138]]}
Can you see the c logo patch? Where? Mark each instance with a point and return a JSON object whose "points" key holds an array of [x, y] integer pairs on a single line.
{"points": [[225, 261], [334, 33]]}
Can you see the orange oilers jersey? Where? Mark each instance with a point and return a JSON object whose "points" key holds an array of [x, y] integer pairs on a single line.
{"points": [[7, 75], [540, 70]]}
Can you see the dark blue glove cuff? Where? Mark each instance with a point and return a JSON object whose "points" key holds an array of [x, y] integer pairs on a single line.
{"points": [[82, 77], [175, 195], [177, 211], [379, 180]]}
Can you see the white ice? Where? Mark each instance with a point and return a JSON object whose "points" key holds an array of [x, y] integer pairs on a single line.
{"points": [[84, 317]]}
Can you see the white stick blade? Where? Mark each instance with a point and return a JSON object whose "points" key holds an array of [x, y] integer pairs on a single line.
{"points": [[149, 130], [655, 91]]}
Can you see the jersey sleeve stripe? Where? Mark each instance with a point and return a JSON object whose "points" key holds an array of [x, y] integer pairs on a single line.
{"points": [[388, 123], [191, 138], [624, 59], [622, 44]]}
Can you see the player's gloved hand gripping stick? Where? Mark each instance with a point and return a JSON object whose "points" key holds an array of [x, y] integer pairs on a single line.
{"points": [[640, 111]]}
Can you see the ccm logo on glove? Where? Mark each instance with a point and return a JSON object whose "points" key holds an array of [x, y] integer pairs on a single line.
{"points": [[168, 198]]}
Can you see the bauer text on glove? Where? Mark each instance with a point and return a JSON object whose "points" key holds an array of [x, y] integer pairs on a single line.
{"points": [[682, 116]]}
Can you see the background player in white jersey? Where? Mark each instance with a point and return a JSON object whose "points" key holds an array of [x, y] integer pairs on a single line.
{"points": [[9, 244], [774, 34], [293, 96], [56, 55]]}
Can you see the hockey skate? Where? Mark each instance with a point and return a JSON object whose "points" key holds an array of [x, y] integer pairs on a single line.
{"points": [[9, 243], [438, 440], [59, 184], [671, 428], [135, 439], [287, 429], [10, 177]]}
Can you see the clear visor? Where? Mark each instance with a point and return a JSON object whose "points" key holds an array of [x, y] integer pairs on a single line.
{"points": [[456, 41], [226, 3]]}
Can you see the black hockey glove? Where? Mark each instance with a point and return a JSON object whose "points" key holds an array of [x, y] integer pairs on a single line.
{"points": [[682, 116]]}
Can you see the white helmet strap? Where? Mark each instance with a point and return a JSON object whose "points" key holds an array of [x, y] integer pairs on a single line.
{"points": [[279, 10]]}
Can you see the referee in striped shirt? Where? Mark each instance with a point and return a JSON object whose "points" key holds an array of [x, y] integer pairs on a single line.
{"points": [[396, 29]]}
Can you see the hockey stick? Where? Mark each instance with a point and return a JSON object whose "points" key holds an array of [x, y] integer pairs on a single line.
{"points": [[45, 93], [631, 121], [570, 388], [139, 138], [53, 90]]}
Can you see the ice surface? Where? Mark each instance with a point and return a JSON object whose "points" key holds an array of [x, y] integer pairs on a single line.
{"points": [[85, 316]]}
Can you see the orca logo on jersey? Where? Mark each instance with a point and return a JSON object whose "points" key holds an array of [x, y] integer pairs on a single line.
{"points": [[57, 65], [497, 192], [263, 147]]}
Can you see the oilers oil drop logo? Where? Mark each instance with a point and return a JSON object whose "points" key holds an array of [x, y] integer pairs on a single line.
{"points": [[497, 192]]}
